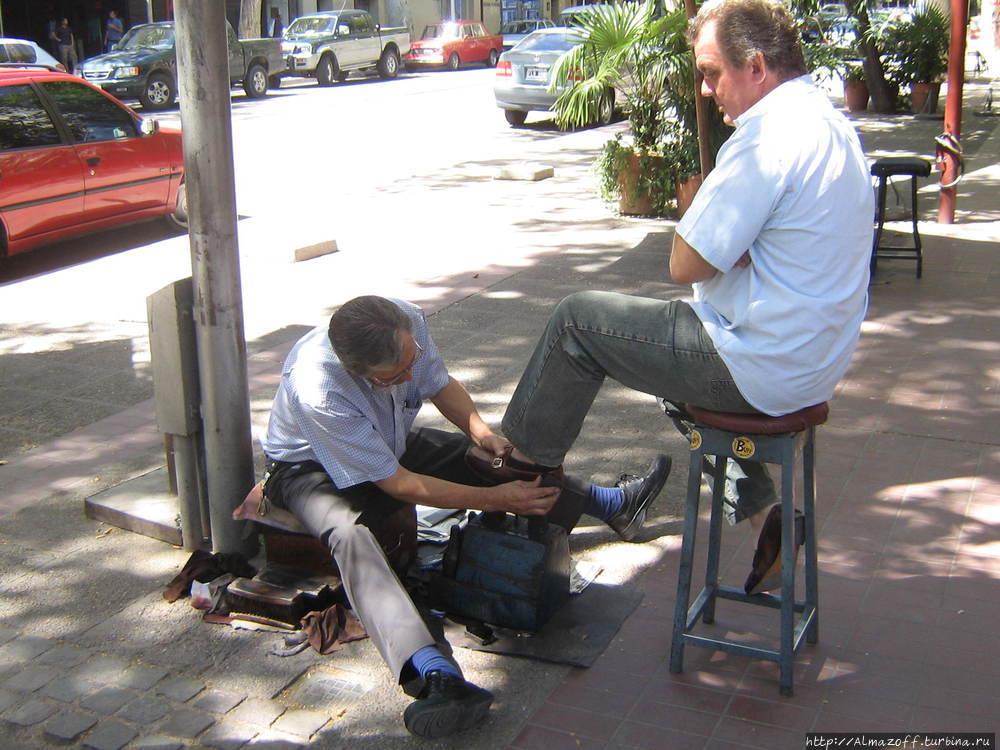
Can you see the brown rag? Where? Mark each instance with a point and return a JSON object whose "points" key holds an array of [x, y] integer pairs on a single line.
{"points": [[203, 567], [329, 630]]}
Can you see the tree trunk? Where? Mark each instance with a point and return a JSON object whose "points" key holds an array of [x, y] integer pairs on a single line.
{"points": [[883, 99], [249, 19]]}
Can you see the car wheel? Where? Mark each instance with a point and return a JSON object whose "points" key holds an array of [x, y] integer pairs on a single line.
{"points": [[255, 81], [515, 117], [327, 70], [453, 61], [179, 218], [491, 61], [606, 108], [388, 65], [158, 93]]}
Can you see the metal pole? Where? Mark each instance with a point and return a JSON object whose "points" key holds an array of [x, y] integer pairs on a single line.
{"points": [[203, 67], [701, 114], [953, 112], [149, 11]]}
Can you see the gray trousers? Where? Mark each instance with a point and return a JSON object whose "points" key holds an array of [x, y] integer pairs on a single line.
{"points": [[345, 520], [650, 345]]}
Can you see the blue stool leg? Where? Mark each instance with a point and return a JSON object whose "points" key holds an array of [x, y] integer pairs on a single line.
{"points": [[809, 508], [787, 564], [916, 233], [686, 563], [880, 218], [714, 537]]}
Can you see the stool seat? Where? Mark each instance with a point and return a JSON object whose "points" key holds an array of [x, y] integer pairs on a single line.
{"points": [[888, 166], [761, 424]]}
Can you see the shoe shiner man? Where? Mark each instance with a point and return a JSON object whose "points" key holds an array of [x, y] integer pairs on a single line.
{"points": [[776, 244], [343, 458]]}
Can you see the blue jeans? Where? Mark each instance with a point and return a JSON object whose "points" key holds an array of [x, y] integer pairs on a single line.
{"points": [[650, 345]]}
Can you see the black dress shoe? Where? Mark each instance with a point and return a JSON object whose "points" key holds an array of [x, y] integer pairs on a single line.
{"points": [[766, 572], [448, 704], [639, 493]]}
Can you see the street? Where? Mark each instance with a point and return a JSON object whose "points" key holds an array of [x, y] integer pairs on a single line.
{"points": [[398, 173]]}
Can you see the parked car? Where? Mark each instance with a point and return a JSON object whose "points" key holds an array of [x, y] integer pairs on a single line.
{"points": [[143, 65], [524, 75], [569, 16], [331, 44], [74, 160], [515, 31], [454, 43], [24, 51]]}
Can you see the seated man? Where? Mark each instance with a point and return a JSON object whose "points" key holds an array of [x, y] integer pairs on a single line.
{"points": [[777, 244], [343, 460]]}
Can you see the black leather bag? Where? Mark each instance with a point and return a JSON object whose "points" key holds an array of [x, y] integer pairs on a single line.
{"points": [[505, 571]]}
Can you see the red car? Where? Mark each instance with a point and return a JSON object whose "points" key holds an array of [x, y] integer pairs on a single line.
{"points": [[75, 160], [452, 43]]}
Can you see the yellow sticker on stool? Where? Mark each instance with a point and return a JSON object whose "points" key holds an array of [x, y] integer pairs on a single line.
{"points": [[743, 447], [695, 438]]}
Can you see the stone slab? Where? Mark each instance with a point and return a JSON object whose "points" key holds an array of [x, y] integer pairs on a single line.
{"points": [[67, 727], [143, 505], [525, 171], [316, 250]]}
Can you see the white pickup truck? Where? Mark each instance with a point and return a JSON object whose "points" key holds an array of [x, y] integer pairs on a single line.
{"points": [[329, 45]]}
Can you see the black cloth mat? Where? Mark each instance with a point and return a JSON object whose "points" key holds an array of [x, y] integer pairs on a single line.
{"points": [[576, 635]]}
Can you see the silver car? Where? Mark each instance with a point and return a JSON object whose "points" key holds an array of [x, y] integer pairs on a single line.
{"points": [[525, 72], [515, 31]]}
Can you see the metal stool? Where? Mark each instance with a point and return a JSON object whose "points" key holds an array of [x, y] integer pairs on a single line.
{"points": [[883, 169], [766, 439]]}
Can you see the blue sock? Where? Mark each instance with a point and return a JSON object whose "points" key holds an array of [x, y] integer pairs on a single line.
{"points": [[604, 502], [430, 659]]}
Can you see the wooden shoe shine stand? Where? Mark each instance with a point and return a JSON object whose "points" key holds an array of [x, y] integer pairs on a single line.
{"points": [[777, 440]]}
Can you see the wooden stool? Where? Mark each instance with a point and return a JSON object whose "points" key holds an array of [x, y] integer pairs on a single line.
{"points": [[777, 440], [883, 169]]}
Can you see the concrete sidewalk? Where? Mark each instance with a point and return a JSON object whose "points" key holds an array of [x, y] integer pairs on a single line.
{"points": [[909, 504]]}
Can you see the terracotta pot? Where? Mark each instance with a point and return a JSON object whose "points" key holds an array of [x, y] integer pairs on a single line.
{"points": [[924, 97], [856, 95], [686, 191], [634, 202]]}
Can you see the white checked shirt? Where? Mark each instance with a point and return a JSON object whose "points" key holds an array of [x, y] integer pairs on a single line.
{"points": [[355, 429]]}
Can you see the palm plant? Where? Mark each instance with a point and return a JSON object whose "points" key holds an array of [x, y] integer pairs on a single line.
{"points": [[642, 56]]}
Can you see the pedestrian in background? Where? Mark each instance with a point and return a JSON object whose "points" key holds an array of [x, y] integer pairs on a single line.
{"points": [[275, 26], [67, 46], [113, 30]]}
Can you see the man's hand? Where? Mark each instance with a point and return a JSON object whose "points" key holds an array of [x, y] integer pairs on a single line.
{"points": [[523, 498], [495, 444], [744, 260]]}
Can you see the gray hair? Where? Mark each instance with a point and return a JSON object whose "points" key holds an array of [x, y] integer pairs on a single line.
{"points": [[365, 334], [745, 27]]}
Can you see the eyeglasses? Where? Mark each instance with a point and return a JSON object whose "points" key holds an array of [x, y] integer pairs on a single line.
{"points": [[403, 374]]}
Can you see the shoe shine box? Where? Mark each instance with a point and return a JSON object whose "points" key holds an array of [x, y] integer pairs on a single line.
{"points": [[505, 571]]}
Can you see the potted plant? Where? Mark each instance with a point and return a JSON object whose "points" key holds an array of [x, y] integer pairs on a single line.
{"points": [[644, 57], [916, 55], [855, 86]]}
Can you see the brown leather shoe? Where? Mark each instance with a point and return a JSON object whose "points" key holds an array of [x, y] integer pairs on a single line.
{"points": [[766, 572], [506, 468]]}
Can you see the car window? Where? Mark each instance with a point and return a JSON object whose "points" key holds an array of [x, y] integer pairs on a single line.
{"points": [[89, 115], [20, 53], [550, 42], [140, 37], [360, 24], [24, 123], [311, 25]]}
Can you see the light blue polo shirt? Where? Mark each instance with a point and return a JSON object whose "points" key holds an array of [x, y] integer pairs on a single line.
{"points": [[793, 187]]}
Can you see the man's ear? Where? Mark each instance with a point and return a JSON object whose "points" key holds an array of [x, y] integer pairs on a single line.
{"points": [[758, 66]]}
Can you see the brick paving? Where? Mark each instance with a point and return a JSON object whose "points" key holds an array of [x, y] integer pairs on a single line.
{"points": [[908, 521]]}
